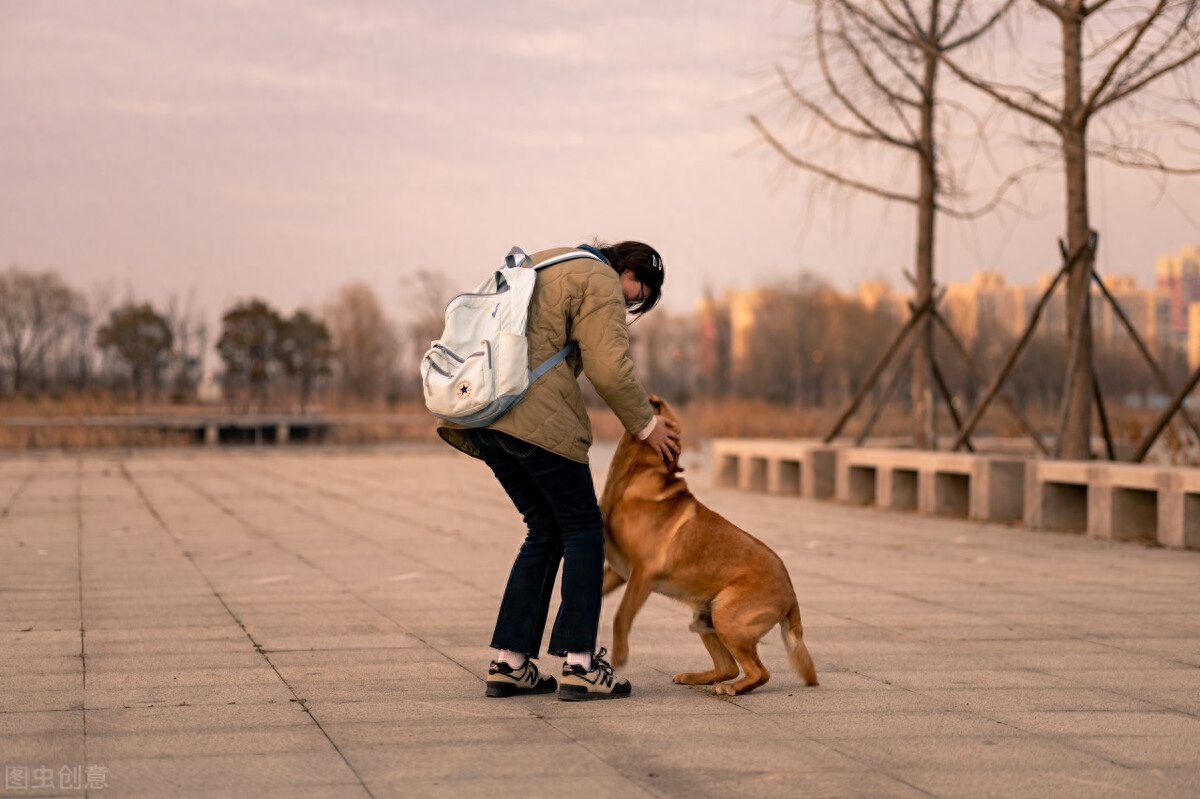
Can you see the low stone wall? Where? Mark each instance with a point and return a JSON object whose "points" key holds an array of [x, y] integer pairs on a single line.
{"points": [[1116, 501]]}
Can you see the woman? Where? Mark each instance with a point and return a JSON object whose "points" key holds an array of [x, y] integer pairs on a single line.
{"points": [[539, 453]]}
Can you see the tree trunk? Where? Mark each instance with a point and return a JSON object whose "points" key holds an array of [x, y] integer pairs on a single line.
{"points": [[306, 381], [1076, 443], [923, 410], [17, 376]]}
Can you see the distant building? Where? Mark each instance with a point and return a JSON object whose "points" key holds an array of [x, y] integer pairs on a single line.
{"points": [[878, 295], [985, 310], [1179, 279], [1193, 336], [743, 307], [986, 304], [1054, 315], [711, 363], [1148, 310]]}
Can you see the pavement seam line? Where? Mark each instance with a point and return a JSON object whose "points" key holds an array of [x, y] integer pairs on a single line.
{"points": [[257, 647], [82, 624], [13, 499]]}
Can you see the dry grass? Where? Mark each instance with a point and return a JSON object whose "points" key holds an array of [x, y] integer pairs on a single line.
{"points": [[725, 418], [76, 437]]}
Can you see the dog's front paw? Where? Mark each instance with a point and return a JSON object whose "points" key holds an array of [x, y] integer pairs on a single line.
{"points": [[725, 689], [620, 654]]}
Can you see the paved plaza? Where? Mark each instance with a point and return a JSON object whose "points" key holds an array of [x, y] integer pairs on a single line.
{"points": [[314, 622]]}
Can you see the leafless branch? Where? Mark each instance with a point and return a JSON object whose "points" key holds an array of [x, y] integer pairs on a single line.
{"points": [[821, 114], [997, 92], [828, 174], [1013, 180], [1058, 9], [1147, 79], [836, 90], [971, 36], [1139, 159], [1138, 33]]}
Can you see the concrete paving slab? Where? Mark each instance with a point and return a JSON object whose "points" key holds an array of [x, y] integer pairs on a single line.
{"points": [[315, 622]]}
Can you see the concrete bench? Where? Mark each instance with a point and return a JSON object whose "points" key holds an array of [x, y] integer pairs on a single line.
{"points": [[979, 487], [1115, 501], [1112, 501], [802, 467]]}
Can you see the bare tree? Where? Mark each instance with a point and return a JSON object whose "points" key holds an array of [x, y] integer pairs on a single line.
{"points": [[1112, 53], [305, 350], [714, 359], [663, 351], [190, 332], [428, 292], [364, 342], [142, 338], [36, 309], [249, 347], [878, 63], [428, 310]]}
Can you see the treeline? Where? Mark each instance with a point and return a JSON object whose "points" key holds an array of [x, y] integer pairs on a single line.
{"points": [[807, 345], [55, 341], [799, 343]]}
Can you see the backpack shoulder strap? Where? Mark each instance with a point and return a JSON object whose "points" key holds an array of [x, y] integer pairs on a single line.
{"points": [[552, 361], [512, 261], [517, 258]]}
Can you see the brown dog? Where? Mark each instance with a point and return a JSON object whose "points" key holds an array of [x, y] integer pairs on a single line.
{"points": [[658, 537]]}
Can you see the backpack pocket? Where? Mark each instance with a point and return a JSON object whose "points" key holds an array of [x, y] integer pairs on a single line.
{"points": [[457, 385], [476, 389], [511, 364]]}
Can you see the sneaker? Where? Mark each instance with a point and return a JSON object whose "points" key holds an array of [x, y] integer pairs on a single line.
{"points": [[599, 683], [504, 680]]}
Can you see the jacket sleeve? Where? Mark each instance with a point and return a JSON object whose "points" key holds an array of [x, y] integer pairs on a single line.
{"points": [[603, 337]]}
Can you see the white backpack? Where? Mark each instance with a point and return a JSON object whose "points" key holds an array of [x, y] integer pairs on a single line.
{"points": [[480, 366]]}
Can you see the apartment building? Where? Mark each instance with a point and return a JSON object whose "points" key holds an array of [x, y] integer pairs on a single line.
{"points": [[1178, 278]]}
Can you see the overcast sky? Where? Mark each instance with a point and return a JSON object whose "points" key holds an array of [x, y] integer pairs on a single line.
{"points": [[280, 148]]}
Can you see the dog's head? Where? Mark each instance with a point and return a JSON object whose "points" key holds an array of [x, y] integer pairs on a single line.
{"points": [[663, 408]]}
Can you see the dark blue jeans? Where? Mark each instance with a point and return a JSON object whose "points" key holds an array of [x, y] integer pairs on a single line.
{"points": [[557, 499]]}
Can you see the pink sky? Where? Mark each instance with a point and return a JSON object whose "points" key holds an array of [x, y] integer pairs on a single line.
{"points": [[280, 148]]}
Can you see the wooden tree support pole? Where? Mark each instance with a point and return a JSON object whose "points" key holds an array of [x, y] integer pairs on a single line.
{"points": [[869, 383], [945, 391], [1030, 327], [1155, 431], [1108, 439], [975, 370], [888, 389], [1141, 345]]}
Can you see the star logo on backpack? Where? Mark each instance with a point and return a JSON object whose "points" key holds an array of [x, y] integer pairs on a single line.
{"points": [[463, 389]]}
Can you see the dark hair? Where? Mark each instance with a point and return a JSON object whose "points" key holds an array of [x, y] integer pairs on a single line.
{"points": [[646, 265]]}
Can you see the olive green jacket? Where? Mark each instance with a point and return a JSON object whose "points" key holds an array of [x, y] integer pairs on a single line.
{"points": [[578, 300]]}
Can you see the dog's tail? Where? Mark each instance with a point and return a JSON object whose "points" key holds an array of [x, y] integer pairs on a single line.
{"points": [[793, 642]]}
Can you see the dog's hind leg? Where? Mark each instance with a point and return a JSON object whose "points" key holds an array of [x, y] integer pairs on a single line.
{"points": [[636, 592], [740, 629], [724, 666]]}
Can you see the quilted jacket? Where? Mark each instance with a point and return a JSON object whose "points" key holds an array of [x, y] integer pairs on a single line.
{"points": [[578, 300]]}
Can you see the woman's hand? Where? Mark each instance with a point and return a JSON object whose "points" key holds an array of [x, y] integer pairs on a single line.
{"points": [[665, 440]]}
